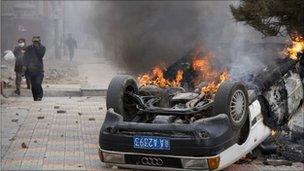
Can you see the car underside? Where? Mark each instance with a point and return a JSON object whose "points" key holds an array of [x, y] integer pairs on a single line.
{"points": [[169, 122]]}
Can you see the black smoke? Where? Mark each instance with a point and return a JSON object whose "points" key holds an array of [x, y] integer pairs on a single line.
{"points": [[139, 35]]}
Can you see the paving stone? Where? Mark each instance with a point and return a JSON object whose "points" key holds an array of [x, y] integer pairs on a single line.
{"points": [[57, 142]]}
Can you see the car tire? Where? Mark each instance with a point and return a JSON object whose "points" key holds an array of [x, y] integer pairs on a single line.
{"points": [[116, 94], [231, 98]]}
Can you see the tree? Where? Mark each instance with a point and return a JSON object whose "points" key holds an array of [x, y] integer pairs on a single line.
{"points": [[272, 17]]}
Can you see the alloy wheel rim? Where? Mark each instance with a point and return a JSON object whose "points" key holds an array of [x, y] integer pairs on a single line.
{"points": [[238, 106]]}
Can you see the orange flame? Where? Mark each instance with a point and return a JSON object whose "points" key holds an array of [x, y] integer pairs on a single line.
{"points": [[178, 78], [297, 45], [156, 77], [204, 68], [207, 73], [214, 78], [212, 87]]}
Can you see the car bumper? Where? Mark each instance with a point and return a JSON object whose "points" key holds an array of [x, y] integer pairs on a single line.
{"points": [[208, 137], [158, 162]]}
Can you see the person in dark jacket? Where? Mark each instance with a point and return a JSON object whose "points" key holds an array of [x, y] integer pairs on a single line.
{"points": [[33, 61], [71, 44], [19, 54]]}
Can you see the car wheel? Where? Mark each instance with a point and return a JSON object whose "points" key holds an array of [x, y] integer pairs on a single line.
{"points": [[117, 98], [231, 98]]}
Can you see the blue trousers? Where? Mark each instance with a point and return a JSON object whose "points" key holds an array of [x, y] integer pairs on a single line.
{"points": [[36, 81]]}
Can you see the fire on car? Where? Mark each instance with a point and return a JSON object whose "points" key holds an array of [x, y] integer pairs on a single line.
{"points": [[192, 116]]}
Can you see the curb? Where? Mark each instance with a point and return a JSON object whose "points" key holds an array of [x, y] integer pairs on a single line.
{"points": [[58, 92], [93, 92]]}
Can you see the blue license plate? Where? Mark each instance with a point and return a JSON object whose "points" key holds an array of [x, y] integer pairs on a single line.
{"points": [[151, 142]]}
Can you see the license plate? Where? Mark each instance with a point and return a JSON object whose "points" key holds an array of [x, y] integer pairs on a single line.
{"points": [[151, 142]]}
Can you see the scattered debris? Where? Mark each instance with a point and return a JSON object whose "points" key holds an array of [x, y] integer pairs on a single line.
{"points": [[40, 117], [23, 145], [246, 160], [61, 72], [61, 111], [292, 152], [277, 162], [56, 72], [282, 148], [91, 119], [56, 107], [14, 120], [12, 139], [268, 148]]}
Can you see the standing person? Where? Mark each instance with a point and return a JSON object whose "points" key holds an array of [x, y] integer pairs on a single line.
{"points": [[33, 60], [19, 69], [71, 44]]}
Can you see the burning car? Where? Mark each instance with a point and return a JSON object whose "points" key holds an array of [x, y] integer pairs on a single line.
{"points": [[176, 124]]}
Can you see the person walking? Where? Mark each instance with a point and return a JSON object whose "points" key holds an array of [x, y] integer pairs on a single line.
{"points": [[33, 61], [19, 69], [71, 44]]}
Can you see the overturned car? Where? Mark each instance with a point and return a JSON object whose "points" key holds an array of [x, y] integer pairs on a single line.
{"points": [[149, 127]]}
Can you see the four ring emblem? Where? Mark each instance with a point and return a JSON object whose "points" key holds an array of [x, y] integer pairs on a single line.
{"points": [[152, 161]]}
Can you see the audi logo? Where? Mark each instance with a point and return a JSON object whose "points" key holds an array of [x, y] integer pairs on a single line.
{"points": [[151, 161]]}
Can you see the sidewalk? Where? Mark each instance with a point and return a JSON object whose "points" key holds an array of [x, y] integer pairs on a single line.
{"points": [[61, 133], [57, 133]]}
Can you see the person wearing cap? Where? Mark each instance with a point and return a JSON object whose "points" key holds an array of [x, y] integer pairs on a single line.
{"points": [[19, 54], [33, 61]]}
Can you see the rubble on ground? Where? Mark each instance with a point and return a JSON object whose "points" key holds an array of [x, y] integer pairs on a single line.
{"points": [[61, 72], [290, 148], [287, 150], [55, 72], [23, 145]]}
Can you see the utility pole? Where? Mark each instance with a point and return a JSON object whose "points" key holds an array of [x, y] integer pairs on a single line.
{"points": [[63, 27], [56, 41], [56, 30]]}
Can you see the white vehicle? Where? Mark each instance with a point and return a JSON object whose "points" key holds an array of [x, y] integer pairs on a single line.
{"points": [[194, 132]]}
